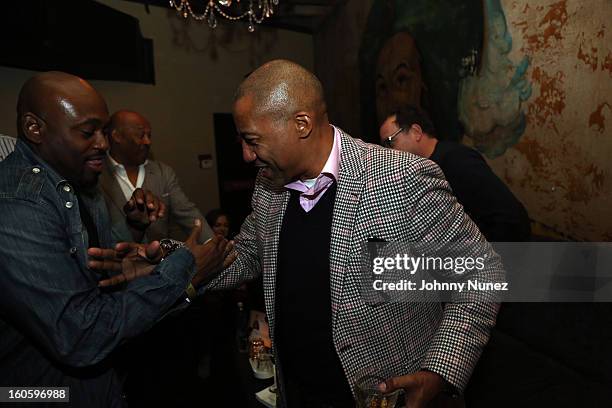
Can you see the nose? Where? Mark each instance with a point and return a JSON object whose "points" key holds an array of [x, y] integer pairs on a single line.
{"points": [[248, 154], [101, 141], [146, 139]]}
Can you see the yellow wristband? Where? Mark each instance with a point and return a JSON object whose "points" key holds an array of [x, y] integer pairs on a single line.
{"points": [[191, 292]]}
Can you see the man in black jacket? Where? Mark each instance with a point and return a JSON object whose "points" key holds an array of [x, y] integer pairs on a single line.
{"points": [[486, 199]]}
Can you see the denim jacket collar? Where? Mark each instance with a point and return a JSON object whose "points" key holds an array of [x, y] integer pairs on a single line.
{"points": [[26, 151]]}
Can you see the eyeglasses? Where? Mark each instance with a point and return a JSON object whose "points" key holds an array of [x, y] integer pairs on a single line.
{"points": [[389, 141]]}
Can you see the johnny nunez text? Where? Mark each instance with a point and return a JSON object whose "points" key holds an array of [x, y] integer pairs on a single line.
{"points": [[469, 284]]}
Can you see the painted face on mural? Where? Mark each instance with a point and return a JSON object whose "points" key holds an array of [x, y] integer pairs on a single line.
{"points": [[398, 75]]}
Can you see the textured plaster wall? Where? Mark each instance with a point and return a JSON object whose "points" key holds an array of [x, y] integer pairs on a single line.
{"points": [[562, 166]]}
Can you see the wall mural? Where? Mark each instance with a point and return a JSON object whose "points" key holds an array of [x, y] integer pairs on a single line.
{"points": [[422, 49], [531, 83], [490, 102], [432, 54]]}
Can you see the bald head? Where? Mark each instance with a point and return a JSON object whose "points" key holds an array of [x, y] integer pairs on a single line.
{"points": [[125, 118], [61, 117], [48, 92], [282, 88], [129, 134], [281, 116]]}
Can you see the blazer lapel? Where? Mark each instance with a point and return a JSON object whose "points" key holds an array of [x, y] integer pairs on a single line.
{"points": [[111, 188], [151, 177], [348, 195], [278, 206]]}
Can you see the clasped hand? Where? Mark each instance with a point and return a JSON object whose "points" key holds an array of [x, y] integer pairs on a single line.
{"points": [[143, 208], [133, 260]]}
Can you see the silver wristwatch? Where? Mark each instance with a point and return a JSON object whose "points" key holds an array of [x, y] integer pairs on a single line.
{"points": [[168, 246]]}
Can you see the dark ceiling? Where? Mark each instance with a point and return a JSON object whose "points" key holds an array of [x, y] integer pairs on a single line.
{"points": [[298, 15]]}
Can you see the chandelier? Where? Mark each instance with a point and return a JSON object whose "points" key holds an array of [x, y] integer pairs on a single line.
{"points": [[255, 10]]}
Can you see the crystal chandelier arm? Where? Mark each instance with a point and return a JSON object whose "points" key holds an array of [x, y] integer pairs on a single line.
{"points": [[266, 8]]}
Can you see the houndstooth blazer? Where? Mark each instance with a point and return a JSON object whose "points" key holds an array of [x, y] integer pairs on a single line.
{"points": [[394, 196]]}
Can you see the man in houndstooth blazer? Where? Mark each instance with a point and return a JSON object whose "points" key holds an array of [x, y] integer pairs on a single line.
{"points": [[381, 193]]}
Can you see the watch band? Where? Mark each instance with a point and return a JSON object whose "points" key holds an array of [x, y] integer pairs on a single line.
{"points": [[168, 246]]}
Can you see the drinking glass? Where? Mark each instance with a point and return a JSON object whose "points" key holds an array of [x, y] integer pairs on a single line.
{"points": [[367, 392]]}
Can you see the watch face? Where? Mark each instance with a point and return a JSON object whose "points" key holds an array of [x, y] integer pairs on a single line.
{"points": [[168, 246]]}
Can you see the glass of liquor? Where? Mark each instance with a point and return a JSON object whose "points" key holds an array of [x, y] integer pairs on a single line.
{"points": [[367, 392]]}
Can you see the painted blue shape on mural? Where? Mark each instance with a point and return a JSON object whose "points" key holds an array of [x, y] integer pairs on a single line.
{"points": [[490, 102]]}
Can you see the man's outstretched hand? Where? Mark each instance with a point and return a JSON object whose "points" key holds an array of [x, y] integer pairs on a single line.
{"points": [[134, 260], [211, 257], [130, 259]]}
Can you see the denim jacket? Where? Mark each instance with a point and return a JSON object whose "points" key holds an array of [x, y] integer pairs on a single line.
{"points": [[57, 328]]}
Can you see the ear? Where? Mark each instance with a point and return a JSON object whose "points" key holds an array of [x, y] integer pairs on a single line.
{"points": [[303, 124], [418, 132], [32, 127], [115, 136]]}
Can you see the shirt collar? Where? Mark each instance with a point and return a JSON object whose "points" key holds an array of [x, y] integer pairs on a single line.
{"points": [[115, 164], [331, 167]]}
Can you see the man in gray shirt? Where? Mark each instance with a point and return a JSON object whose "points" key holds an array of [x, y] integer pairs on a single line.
{"points": [[128, 167]]}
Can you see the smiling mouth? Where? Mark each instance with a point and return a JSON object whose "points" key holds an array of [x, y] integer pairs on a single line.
{"points": [[95, 163]]}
